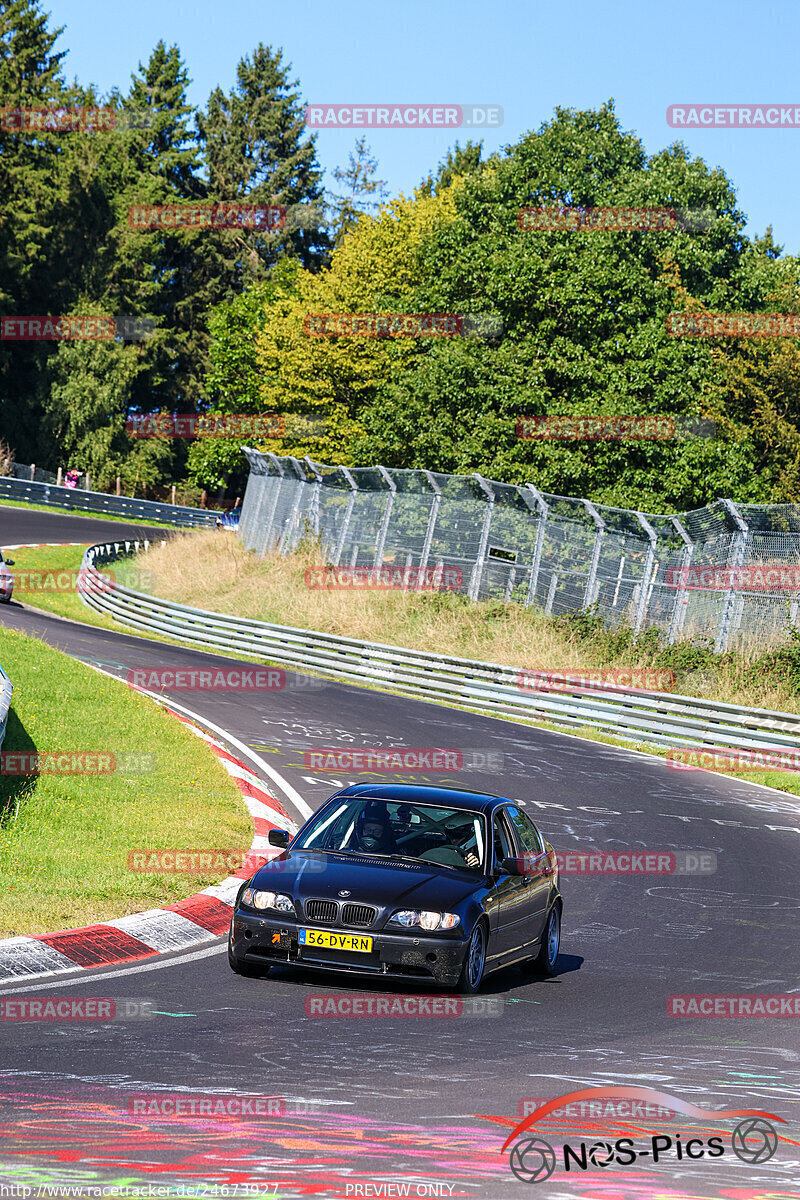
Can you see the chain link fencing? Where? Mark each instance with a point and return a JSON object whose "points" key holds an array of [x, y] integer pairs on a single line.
{"points": [[729, 573]]}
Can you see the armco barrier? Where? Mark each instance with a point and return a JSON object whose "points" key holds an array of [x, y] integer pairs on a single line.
{"points": [[6, 688], [651, 718], [102, 502]]}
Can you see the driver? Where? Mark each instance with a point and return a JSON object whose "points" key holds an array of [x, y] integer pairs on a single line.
{"points": [[374, 831]]}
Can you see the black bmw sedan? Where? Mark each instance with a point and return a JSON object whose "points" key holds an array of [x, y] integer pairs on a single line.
{"points": [[427, 883]]}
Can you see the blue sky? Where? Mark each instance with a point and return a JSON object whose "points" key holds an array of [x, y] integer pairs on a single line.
{"points": [[526, 57]]}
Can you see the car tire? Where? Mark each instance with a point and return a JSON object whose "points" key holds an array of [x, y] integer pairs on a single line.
{"points": [[545, 961], [474, 965], [5, 599]]}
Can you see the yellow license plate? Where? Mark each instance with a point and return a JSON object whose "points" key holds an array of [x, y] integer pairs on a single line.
{"points": [[328, 940]]}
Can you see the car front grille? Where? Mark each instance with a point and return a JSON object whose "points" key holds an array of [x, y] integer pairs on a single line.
{"points": [[321, 910], [358, 914]]}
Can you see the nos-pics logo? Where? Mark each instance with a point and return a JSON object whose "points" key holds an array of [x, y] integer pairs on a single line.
{"points": [[754, 1140]]}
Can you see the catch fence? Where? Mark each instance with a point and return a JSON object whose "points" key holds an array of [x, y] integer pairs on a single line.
{"points": [[727, 572]]}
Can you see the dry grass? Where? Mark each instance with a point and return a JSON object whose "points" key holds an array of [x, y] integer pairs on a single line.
{"points": [[211, 569]]}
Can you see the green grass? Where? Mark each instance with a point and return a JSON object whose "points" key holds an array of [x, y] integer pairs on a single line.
{"points": [[65, 839], [77, 512]]}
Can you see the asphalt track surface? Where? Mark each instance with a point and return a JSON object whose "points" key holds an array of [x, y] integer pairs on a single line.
{"points": [[374, 1102]]}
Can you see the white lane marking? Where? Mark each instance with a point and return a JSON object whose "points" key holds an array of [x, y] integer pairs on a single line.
{"points": [[86, 979]]}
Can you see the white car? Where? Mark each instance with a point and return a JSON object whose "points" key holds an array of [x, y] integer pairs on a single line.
{"points": [[6, 579]]}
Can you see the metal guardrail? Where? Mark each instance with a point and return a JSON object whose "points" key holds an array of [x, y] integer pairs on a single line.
{"points": [[6, 688], [102, 502], [652, 718]]}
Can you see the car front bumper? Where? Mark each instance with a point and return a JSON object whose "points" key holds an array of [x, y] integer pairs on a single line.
{"points": [[269, 940]]}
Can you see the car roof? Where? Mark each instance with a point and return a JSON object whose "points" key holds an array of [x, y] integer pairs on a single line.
{"points": [[482, 802]]}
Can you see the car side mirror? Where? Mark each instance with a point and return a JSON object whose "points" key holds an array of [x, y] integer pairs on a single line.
{"points": [[509, 866], [278, 837], [9, 562]]}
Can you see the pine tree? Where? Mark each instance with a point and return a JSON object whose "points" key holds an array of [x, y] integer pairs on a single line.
{"points": [[360, 185]]}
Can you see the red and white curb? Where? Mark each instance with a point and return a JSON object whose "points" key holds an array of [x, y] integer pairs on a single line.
{"points": [[190, 922]]}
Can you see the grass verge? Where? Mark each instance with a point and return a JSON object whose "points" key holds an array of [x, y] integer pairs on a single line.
{"points": [[65, 839]]}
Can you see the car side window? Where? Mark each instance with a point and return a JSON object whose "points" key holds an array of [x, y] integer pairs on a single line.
{"points": [[527, 834], [502, 842]]}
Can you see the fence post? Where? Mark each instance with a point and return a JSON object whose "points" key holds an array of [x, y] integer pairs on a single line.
{"points": [[679, 608], [544, 508], [644, 586], [432, 518], [314, 506], [384, 529], [347, 514], [477, 570], [278, 465], [737, 558], [287, 541], [600, 524], [58, 479]]}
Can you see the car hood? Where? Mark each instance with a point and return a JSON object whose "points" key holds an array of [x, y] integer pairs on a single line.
{"points": [[368, 880]]}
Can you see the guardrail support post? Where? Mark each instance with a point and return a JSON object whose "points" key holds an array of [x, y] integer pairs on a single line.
{"points": [[384, 529], [477, 570], [679, 607], [432, 518], [737, 558], [644, 587], [588, 597], [351, 499]]}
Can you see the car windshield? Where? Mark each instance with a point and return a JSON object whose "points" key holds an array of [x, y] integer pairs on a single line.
{"points": [[448, 837]]}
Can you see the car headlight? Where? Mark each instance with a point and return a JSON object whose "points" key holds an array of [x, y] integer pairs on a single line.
{"points": [[409, 917], [277, 900]]}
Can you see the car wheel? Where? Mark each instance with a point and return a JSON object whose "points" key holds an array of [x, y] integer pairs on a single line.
{"points": [[5, 599], [545, 961], [474, 962]]}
